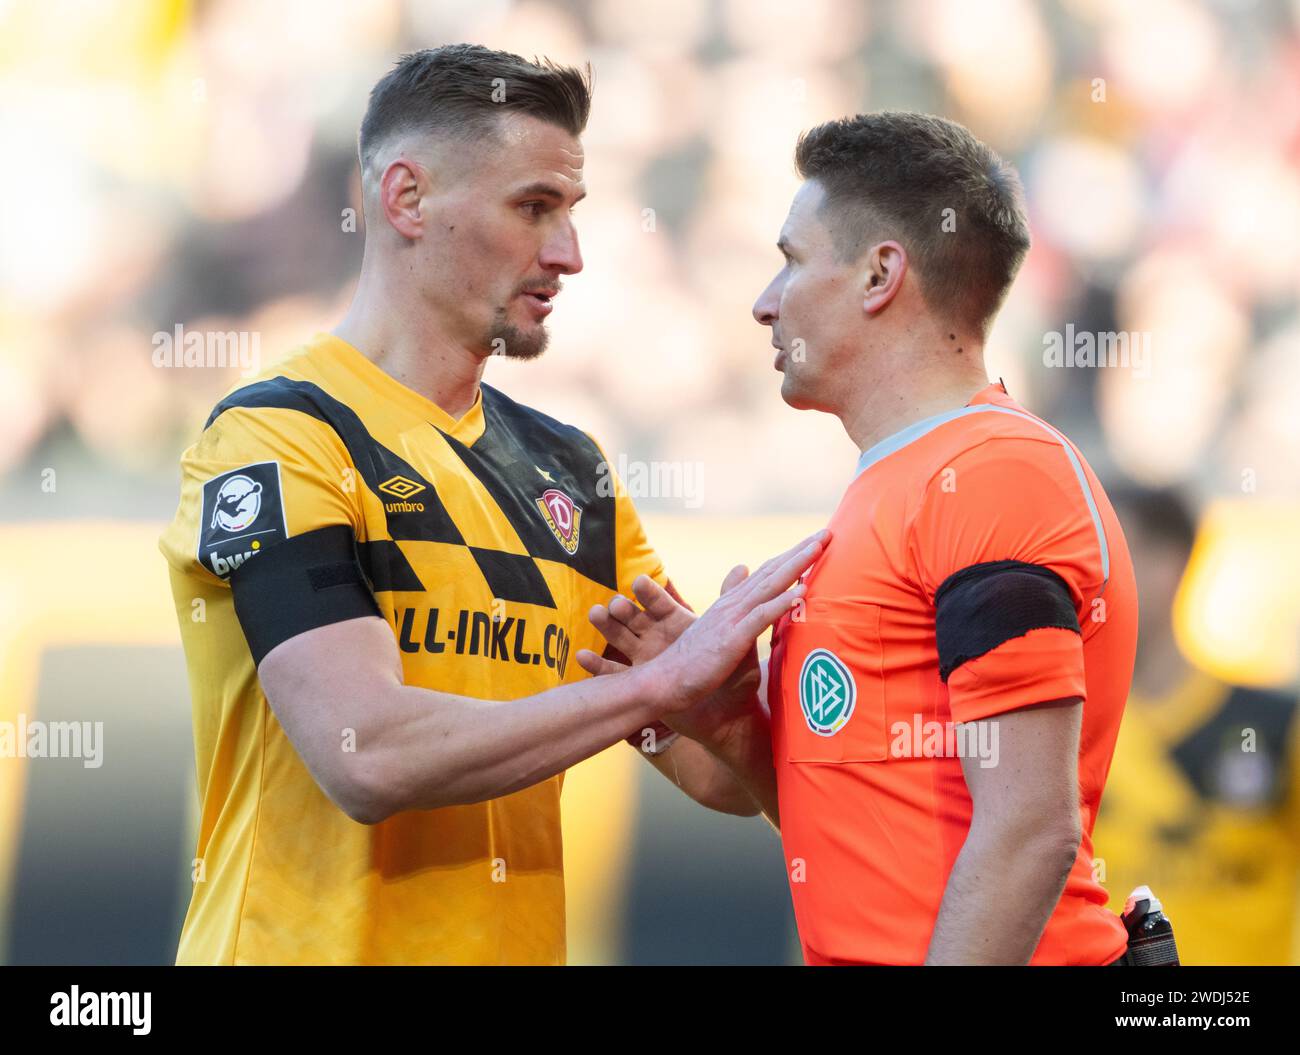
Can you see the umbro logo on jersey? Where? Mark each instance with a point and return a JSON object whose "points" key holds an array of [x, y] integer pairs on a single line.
{"points": [[243, 513], [562, 517], [400, 487], [404, 489]]}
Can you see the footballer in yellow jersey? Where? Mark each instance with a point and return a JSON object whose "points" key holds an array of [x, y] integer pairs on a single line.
{"points": [[484, 542], [1203, 806], [383, 568], [1203, 800]]}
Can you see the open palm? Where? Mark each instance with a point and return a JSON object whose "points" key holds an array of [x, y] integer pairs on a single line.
{"points": [[707, 665]]}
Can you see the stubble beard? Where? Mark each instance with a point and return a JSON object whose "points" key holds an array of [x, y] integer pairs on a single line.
{"points": [[506, 339]]}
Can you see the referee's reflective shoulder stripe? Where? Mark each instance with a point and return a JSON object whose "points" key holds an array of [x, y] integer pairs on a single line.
{"points": [[914, 432]]}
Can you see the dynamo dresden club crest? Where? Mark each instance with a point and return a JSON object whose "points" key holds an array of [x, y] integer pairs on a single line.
{"points": [[562, 517], [827, 692]]}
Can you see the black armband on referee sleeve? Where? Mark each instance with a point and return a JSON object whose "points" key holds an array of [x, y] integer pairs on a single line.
{"points": [[978, 608], [304, 582]]}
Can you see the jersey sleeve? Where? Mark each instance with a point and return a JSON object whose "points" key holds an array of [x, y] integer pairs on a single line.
{"points": [[255, 478], [1006, 549], [269, 509]]}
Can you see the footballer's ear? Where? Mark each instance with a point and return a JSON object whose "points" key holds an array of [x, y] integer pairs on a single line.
{"points": [[401, 187], [885, 268]]}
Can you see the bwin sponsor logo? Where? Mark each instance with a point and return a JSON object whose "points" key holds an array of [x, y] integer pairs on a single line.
{"points": [[223, 566]]}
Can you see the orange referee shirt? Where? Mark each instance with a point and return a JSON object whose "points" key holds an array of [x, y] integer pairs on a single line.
{"points": [[866, 735]]}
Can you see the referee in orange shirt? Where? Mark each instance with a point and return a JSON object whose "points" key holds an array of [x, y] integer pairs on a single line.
{"points": [[934, 733]]}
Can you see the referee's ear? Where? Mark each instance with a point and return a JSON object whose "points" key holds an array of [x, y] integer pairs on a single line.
{"points": [[886, 267]]}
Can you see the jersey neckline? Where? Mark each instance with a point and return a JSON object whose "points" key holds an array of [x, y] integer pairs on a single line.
{"points": [[994, 394], [467, 428]]}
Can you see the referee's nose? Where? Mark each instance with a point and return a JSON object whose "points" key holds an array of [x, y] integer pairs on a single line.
{"points": [[560, 252], [766, 308]]}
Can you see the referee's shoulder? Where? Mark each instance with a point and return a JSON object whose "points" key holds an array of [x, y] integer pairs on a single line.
{"points": [[1003, 432], [1016, 441]]}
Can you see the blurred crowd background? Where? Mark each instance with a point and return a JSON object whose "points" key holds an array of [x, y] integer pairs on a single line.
{"points": [[193, 164]]}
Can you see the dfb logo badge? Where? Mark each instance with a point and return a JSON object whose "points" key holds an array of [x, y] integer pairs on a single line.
{"points": [[562, 517], [827, 692], [243, 513]]}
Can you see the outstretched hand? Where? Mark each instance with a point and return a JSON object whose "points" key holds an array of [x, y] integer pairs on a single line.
{"points": [[641, 633], [691, 658]]}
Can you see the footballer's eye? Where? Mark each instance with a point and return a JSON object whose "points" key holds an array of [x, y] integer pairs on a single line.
{"points": [[533, 209]]}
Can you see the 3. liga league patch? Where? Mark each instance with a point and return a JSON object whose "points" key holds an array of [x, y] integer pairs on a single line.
{"points": [[243, 513]]}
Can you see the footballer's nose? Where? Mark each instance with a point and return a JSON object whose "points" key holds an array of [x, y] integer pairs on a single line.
{"points": [[561, 253]]}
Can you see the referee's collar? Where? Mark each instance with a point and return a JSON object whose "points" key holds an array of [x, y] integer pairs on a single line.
{"points": [[983, 400]]}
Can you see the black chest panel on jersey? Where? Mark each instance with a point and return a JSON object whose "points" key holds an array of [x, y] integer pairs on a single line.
{"points": [[505, 460], [516, 446]]}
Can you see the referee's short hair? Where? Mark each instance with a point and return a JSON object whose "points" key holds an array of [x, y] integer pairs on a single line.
{"points": [[460, 91], [953, 204]]}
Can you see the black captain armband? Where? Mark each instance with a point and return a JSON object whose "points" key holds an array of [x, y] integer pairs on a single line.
{"points": [[982, 606], [302, 583]]}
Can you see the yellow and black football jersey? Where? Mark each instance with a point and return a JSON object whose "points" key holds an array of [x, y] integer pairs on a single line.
{"points": [[1203, 805], [484, 541]]}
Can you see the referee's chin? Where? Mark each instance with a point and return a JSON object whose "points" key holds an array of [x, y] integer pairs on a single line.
{"points": [[795, 394]]}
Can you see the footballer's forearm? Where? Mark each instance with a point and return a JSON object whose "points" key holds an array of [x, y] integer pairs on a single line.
{"points": [[436, 750], [377, 746]]}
